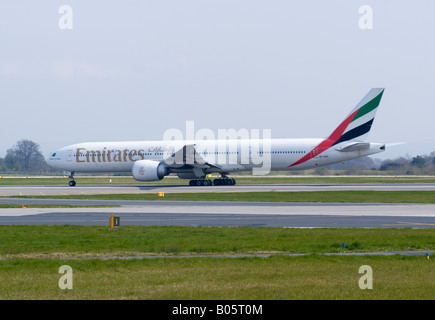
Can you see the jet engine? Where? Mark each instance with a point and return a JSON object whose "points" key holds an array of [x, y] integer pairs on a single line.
{"points": [[149, 170]]}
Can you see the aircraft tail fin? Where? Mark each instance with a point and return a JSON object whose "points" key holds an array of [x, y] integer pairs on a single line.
{"points": [[359, 121], [354, 127]]}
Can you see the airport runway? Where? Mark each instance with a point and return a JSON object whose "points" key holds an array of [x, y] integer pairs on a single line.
{"points": [[216, 213], [7, 191]]}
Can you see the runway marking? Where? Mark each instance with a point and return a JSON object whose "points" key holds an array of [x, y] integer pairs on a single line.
{"points": [[417, 223], [42, 193]]}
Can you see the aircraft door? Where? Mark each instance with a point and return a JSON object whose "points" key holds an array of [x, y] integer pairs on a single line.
{"points": [[69, 155]]}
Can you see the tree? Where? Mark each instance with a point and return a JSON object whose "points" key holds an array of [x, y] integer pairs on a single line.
{"points": [[418, 161], [27, 155], [10, 159]]}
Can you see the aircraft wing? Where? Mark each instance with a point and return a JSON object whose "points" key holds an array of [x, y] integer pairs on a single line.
{"points": [[188, 156]]}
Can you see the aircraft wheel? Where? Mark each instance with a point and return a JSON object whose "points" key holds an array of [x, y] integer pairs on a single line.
{"points": [[72, 183]]}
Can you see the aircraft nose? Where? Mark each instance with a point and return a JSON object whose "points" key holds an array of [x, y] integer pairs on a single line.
{"points": [[51, 158]]}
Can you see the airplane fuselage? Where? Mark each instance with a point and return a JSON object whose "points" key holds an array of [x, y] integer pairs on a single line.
{"points": [[230, 155]]}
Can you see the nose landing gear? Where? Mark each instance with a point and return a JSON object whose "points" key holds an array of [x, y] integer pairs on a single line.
{"points": [[72, 183]]}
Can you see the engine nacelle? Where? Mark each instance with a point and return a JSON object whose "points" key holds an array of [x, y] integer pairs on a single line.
{"points": [[149, 170]]}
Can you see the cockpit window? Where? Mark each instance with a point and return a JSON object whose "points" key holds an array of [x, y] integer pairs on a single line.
{"points": [[54, 154]]}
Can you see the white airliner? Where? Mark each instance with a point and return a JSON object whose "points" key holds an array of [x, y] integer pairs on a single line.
{"points": [[194, 160]]}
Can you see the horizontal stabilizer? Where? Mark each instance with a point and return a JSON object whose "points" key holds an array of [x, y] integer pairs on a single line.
{"points": [[355, 147]]}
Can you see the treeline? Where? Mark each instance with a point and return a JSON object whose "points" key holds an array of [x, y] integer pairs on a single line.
{"points": [[419, 165], [25, 157]]}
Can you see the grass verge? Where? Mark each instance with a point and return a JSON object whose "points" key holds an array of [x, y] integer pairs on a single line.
{"points": [[16, 206], [30, 257], [72, 241], [278, 277], [300, 196]]}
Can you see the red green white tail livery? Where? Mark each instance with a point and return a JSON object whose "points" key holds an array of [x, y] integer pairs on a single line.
{"points": [[355, 127]]}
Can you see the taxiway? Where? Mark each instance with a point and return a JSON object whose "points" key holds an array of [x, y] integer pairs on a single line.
{"points": [[8, 191], [215, 213]]}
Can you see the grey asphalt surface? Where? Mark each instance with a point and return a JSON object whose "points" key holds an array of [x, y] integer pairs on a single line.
{"points": [[7, 191], [223, 213], [216, 213]]}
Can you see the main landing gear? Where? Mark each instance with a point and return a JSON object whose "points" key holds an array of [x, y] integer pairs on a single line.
{"points": [[222, 181], [200, 182]]}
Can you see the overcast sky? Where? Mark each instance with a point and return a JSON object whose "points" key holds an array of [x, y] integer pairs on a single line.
{"points": [[129, 70]]}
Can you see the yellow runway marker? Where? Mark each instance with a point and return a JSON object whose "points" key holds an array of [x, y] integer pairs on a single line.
{"points": [[417, 223], [42, 193]]}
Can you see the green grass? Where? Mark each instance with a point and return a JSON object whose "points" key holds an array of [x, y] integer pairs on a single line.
{"points": [[72, 241], [334, 180], [16, 206], [64, 181], [30, 257], [300, 196], [279, 277]]}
